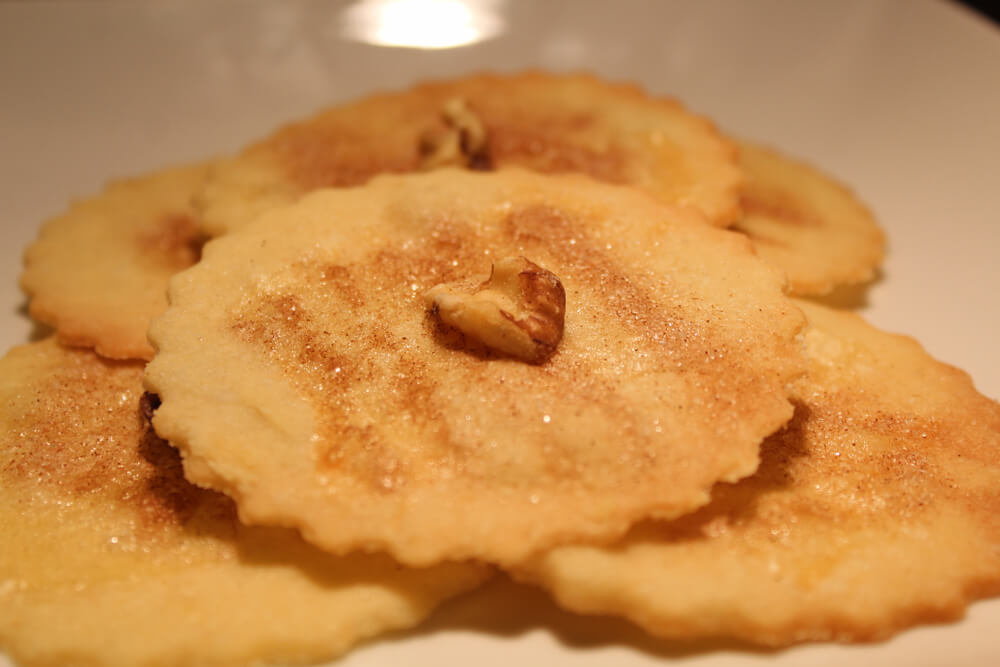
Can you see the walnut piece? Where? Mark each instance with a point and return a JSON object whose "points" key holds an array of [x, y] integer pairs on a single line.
{"points": [[461, 142], [519, 310]]}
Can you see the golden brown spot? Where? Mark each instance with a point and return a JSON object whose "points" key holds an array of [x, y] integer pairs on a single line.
{"points": [[280, 325], [174, 240], [339, 278], [334, 156], [441, 256], [779, 207], [260, 327], [532, 147]]}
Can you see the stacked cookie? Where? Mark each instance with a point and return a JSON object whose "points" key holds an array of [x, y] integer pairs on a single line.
{"points": [[539, 323]]}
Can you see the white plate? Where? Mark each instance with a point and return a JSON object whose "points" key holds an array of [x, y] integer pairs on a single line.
{"points": [[901, 99]]}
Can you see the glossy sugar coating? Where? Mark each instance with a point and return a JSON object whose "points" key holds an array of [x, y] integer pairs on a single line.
{"points": [[303, 374]]}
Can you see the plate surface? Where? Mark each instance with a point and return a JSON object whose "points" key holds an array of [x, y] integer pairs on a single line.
{"points": [[899, 99]]}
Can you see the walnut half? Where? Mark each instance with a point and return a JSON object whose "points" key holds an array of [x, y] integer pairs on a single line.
{"points": [[519, 311], [460, 142]]}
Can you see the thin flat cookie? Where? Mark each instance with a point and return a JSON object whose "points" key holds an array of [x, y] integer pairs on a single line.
{"points": [[111, 558], [544, 122], [353, 366], [877, 508], [98, 273], [806, 223]]}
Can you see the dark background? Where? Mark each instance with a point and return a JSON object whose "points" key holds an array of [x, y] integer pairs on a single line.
{"points": [[985, 8]]}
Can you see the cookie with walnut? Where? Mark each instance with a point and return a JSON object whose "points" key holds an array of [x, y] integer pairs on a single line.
{"points": [[875, 509], [110, 557], [548, 123], [473, 365], [98, 273]]}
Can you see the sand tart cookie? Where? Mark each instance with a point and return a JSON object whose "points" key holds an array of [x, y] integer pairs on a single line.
{"points": [[110, 557], [875, 509], [544, 122], [98, 273], [807, 224], [456, 364]]}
